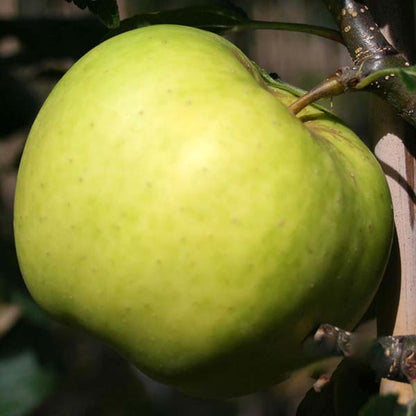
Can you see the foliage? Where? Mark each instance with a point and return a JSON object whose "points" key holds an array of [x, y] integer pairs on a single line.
{"points": [[27, 364], [218, 19], [408, 76], [24, 383], [106, 10], [386, 406]]}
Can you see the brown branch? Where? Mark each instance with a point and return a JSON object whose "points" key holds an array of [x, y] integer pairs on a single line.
{"points": [[360, 32], [391, 357], [371, 51]]}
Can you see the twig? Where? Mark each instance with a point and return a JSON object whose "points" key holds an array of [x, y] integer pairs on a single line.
{"points": [[391, 357], [371, 52]]}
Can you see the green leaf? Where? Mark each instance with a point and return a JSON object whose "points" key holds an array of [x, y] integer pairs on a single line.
{"points": [[24, 383], [384, 406], [216, 19], [105, 10], [408, 77]]}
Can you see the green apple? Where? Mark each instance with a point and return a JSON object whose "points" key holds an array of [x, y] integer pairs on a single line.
{"points": [[169, 202]]}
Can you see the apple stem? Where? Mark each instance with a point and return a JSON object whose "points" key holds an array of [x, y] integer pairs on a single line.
{"points": [[330, 87]]}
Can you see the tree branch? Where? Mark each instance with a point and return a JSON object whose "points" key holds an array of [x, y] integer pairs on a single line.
{"points": [[371, 52], [359, 31], [391, 357]]}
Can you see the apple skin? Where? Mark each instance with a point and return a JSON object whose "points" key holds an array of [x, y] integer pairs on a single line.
{"points": [[168, 202]]}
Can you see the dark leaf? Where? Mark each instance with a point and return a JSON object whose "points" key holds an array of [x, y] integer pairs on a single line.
{"points": [[350, 387], [216, 19], [354, 384], [318, 403], [105, 10], [384, 406]]}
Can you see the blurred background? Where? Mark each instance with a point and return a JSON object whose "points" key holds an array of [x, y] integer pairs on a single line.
{"points": [[45, 368]]}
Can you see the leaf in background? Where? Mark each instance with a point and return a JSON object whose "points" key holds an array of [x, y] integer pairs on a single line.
{"points": [[384, 406], [408, 77], [217, 19], [105, 10], [24, 383], [354, 384]]}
